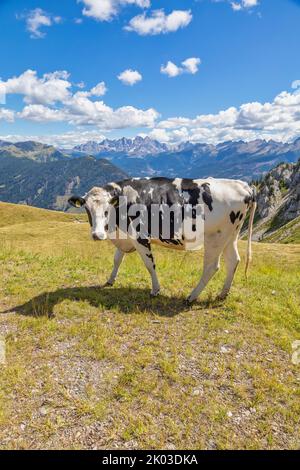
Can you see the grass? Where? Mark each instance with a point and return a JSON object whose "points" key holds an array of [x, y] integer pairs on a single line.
{"points": [[111, 368], [289, 233]]}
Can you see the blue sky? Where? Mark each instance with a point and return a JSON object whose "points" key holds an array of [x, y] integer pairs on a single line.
{"points": [[243, 57]]}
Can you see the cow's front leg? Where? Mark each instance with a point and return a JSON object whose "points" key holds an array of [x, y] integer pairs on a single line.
{"points": [[119, 255], [143, 247]]}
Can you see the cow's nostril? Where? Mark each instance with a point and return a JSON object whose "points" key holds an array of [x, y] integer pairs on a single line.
{"points": [[95, 237]]}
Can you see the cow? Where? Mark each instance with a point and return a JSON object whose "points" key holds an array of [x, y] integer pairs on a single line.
{"points": [[225, 205]]}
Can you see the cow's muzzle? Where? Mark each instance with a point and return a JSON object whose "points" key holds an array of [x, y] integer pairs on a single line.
{"points": [[98, 236]]}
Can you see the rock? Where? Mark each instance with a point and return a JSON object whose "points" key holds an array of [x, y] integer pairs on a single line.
{"points": [[224, 350], [43, 411]]}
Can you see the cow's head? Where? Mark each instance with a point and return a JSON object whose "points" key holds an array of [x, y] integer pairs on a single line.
{"points": [[97, 204]]}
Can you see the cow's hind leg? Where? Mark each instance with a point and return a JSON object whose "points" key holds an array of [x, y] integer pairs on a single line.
{"points": [[143, 247], [232, 259], [119, 255], [210, 266]]}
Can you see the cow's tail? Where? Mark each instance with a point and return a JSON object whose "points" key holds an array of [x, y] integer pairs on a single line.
{"points": [[250, 229]]}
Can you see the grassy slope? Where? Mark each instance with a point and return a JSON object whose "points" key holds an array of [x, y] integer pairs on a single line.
{"points": [[10, 214], [289, 233], [114, 368]]}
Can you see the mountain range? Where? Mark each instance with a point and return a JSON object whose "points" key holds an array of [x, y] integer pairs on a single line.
{"points": [[40, 175], [148, 157]]}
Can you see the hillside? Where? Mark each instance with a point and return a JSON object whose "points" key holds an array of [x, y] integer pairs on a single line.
{"points": [[92, 368], [240, 160], [278, 200], [32, 150], [49, 184], [10, 214]]}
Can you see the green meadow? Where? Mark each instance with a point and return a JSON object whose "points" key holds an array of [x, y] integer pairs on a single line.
{"points": [[103, 368]]}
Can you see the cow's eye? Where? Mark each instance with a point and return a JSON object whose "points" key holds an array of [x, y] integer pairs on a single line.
{"points": [[105, 213]]}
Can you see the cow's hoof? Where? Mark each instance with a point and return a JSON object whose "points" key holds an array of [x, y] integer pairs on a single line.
{"points": [[154, 294], [107, 284], [221, 297], [190, 300]]}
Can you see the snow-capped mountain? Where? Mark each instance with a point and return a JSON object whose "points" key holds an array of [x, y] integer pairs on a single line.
{"points": [[148, 157], [138, 146]]}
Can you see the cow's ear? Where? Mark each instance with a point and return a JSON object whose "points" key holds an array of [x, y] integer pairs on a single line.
{"points": [[76, 201], [114, 201]]}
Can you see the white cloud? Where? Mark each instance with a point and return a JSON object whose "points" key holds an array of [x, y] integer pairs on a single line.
{"points": [[159, 23], [65, 140], [106, 10], [171, 69], [50, 99], [130, 77], [190, 66], [37, 19], [41, 113], [7, 115], [296, 84], [49, 89], [244, 4], [236, 6], [159, 134], [278, 120], [249, 3], [99, 90]]}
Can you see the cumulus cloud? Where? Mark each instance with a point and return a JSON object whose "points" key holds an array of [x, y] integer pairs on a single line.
{"points": [[130, 77], [51, 99], [190, 66], [296, 84], [48, 100], [65, 140], [99, 90], [49, 89], [41, 113], [106, 10], [7, 115], [159, 23], [171, 69], [244, 4], [37, 19], [278, 120]]}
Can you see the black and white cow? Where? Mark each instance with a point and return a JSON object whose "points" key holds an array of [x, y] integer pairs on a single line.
{"points": [[225, 203]]}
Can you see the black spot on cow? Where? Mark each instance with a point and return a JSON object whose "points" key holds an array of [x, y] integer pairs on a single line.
{"points": [[193, 190], [234, 217], [144, 242], [206, 196], [241, 216], [150, 256]]}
